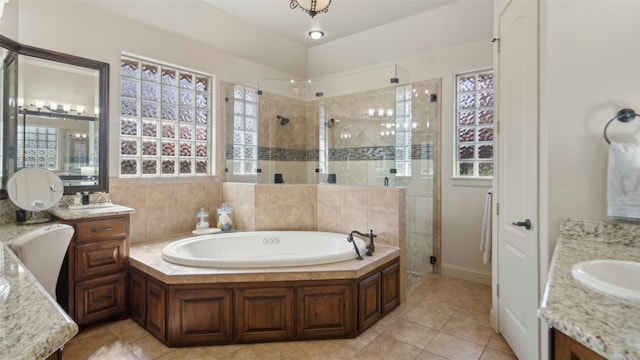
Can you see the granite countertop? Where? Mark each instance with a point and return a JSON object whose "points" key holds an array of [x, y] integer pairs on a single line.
{"points": [[65, 213], [147, 257], [33, 325], [608, 325]]}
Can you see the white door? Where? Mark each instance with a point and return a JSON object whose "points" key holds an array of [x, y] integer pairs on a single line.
{"points": [[518, 177]]}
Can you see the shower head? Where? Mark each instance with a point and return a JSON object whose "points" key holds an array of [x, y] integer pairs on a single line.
{"points": [[283, 120]]}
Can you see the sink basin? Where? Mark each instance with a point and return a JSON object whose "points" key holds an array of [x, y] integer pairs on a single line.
{"points": [[614, 277]]}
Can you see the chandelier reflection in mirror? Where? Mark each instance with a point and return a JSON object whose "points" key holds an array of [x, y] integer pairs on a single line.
{"points": [[311, 7]]}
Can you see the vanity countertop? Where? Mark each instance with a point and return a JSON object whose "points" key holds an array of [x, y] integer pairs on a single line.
{"points": [[65, 213], [608, 325], [33, 324]]}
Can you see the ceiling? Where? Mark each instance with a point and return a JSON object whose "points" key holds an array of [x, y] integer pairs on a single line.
{"points": [[344, 18], [268, 32]]}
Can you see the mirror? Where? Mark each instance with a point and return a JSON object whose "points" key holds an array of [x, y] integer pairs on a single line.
{"points": [[55, 116], [35, 189]]}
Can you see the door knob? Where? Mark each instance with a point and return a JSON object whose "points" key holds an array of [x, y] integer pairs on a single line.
{"points": [[526, 223]]}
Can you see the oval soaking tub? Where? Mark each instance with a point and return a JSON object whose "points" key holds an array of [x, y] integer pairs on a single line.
{"points": [[262, 249]]}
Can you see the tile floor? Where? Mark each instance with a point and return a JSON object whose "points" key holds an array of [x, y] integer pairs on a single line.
{"points": [[443, 318]]}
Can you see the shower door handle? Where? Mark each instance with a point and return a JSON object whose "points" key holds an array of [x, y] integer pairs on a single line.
{"points": [[526, 224]]}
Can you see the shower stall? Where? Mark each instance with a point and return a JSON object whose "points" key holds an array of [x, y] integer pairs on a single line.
{"points": [[368, 128]]}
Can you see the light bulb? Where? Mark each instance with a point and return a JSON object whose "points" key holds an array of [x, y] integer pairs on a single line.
{"points": [[79, 109]]}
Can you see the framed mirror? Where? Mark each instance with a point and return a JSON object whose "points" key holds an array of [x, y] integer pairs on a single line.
{"points": [[55, 116]]}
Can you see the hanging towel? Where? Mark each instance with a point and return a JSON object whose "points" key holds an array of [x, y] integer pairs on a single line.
{"points": [[485, 236], [623, 182]]}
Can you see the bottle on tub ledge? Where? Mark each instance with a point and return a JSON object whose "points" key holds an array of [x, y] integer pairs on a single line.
{"points": [[202, 219], [224, 217]]}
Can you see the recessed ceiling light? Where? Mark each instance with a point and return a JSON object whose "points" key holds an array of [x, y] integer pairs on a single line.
{"points": [[316, 34]]}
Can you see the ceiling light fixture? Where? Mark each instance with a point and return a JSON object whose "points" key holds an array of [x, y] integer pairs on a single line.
{"points": [[311, 7], [316, 34]]}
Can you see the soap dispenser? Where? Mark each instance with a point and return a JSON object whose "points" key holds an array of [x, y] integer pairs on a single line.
{"points": [[202, 219]]}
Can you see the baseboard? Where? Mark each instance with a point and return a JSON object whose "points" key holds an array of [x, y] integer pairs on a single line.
{"points": [[466, 274]]}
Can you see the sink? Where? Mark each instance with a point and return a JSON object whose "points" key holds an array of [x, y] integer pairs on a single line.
{"points": [[614, 277]]}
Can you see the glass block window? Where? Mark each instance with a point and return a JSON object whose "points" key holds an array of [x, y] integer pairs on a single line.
{"points": [[166, 117], [245, 130], [38, 146], [474, 124], [403, 130], [323, 145]]}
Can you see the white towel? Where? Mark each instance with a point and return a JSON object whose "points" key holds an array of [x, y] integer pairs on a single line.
{"points": [[623, 181], [485, 236]]}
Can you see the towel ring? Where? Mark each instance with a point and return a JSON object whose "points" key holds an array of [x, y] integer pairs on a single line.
{"points": [[624, 115]]}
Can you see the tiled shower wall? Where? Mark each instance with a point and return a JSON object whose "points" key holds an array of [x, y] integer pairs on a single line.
{"points": [[360, 154]]}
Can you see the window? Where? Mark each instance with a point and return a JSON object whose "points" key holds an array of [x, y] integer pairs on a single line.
{"points": [[323, 145], [40, 146], [403, 130], [245, 130], [474, 124], [166, 120]]}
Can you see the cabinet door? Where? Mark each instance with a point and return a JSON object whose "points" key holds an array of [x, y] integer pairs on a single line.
{"points": [[100, 298], [137, 300], [264, 314], [370, 309], [156, 309], [200, 316], [325, 311], [566, 348], [390, 287], [98, 258]]}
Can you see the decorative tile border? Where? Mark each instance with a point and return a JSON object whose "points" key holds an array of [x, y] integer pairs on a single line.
{"points": [[418, 152]]}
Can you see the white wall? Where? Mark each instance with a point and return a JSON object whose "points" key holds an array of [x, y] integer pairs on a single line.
{"points": [[589, 70]]}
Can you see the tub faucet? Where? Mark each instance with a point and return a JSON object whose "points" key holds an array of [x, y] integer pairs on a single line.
{"points": [[370, 246], [350, 239]]}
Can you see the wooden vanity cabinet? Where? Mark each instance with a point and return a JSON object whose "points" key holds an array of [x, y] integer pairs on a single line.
{"points": [[566, 348], [95, 268]]}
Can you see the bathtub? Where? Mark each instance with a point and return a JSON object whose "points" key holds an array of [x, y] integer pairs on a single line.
{"points": [[262, 249]]}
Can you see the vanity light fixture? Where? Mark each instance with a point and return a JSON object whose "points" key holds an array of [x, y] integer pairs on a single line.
{"points": [[53, 107], [311, 7], [316, 34]]}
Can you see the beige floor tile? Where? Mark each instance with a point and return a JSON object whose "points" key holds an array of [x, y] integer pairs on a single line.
{"points": [[490, 354], [385, 348], [410, 333], [99, 343], [426, 314], [454, 348], [468, 330], [127, 330], [148, 348], [426, 355], [497, 342]]}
